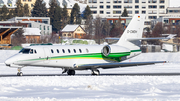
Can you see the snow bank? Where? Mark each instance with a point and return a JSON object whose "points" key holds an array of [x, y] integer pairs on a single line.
{"points": [[90, 88]]}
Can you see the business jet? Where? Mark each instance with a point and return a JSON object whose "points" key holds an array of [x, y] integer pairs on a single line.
{"points": [[84, 57]]}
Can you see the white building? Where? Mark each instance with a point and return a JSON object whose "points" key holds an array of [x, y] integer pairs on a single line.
{"points": [[171, 18], [114, 8], [173, 12], [43, 23], [68, 3]]}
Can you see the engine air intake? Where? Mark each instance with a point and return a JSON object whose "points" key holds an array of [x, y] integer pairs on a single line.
{"points": [[106, 50]]}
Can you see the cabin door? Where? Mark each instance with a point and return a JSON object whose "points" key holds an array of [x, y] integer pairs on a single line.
{"points": [[47, 55]]}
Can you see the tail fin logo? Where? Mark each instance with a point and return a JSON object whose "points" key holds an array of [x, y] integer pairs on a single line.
{"points": [[131, 31]]}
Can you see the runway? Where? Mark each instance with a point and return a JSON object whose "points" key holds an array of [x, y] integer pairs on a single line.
{"points": [[115, 74]]}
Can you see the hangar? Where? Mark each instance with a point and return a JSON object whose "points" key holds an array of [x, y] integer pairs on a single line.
{"points": [[5, 36]]}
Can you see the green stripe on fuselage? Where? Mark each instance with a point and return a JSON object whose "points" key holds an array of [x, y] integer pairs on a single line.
{"points": [[135, 50], [115, 57]]}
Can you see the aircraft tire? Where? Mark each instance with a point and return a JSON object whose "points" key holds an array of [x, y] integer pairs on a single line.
{"points": [[71, 72], [95, 72], [19, 74]]}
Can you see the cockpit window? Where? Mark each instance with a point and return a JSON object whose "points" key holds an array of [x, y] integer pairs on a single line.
{"points": [[31, 51], [25, 51]]}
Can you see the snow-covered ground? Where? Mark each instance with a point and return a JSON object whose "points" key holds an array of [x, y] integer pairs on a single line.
{"points": [[93, 88]]}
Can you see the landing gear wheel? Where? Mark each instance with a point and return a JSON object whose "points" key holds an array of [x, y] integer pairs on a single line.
{"points": [[71, 72], [19, 74], [95, 72]]}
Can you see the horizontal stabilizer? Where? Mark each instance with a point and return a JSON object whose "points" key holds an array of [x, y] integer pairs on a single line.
{"points": [[155, 38], [158, 38], [112, 38]]}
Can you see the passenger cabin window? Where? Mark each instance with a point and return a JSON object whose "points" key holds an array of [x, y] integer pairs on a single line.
{"points": [[74, 51], [69, 51], [57, 50], [87, 50], [52, 51], [80, 51], [35, 51], [24, 51], [63, 50]]}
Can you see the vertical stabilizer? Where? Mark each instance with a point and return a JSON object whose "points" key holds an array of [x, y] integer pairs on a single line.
{"points": [[133, 31]]}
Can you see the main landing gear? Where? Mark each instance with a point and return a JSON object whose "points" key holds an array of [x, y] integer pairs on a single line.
{"points": [[71, 72], [19, 72], [95, 72]]}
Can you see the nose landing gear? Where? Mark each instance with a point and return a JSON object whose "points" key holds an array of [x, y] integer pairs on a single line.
{"points": [[19, 72]]}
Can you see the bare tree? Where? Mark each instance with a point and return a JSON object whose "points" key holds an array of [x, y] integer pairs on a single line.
{"points": [[54, 38], [32, 39], [98, 25], [106, 29], [45, 39], [148, 33], [89, 27], [117, 29], [176, 31], [157, 31], [18, 38]]}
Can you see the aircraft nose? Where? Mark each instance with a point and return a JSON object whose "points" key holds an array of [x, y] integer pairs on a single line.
{"points": [[8, 62]]}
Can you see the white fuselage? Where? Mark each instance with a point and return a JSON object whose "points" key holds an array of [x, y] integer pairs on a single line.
{"points": [[64, 56]]}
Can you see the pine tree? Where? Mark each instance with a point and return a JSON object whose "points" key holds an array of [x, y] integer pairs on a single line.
{"points": [[4, 13], [57, 21], [19, 11], [75, 15], [39, 9], [52, 8], [125, 13], [53, 5], [87, 12], [26, 10], [65, 16], [11, 14]]}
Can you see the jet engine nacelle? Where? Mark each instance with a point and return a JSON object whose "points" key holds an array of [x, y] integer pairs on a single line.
{"points": [[115, 51]]}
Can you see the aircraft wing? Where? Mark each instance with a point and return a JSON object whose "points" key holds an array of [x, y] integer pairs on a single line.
{"points": [[117, 65]]}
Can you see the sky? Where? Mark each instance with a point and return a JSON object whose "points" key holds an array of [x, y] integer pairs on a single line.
{"points": [[174, 3]]}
